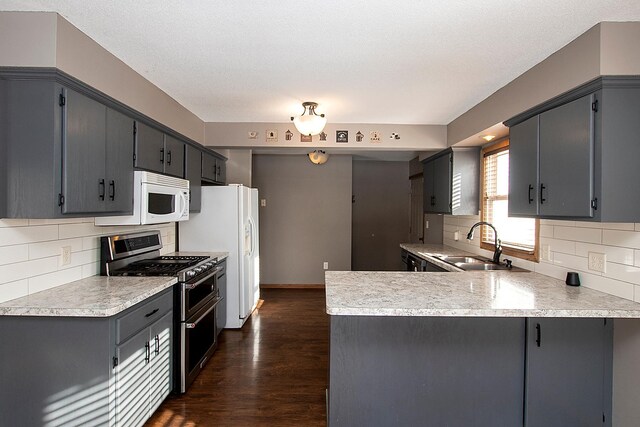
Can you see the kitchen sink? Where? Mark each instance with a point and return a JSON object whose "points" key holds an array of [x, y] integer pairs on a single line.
{"points": [[477, 263]]}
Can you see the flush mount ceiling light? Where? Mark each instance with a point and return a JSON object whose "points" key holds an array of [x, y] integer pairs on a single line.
{"points": [[310, 122], [488, 138], [318, 157]]}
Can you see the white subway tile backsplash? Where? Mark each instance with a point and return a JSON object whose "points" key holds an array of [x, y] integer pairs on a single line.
{"points": [[570, 262], [614, 253], [564, 246], [577, 234], [53, 248], [12, 290], [626, 239], [30, 251], [23, 234], [636, 258], [626, 273], [546, 230], [51, 280], [12, 254], [637, 226], [551, 270], [557, 222], [607, 285]]}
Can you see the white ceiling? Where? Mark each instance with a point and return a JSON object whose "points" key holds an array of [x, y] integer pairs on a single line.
{"points": [[364, 61]]}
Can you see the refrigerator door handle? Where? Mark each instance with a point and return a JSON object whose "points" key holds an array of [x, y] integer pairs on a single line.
{"points": [[252, 230]]}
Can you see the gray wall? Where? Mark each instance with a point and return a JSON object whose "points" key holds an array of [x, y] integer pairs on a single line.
{"points": [[381, 214], [307, 217]]}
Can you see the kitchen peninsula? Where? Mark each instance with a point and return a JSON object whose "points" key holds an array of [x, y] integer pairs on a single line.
{"points": [[469, 348]]}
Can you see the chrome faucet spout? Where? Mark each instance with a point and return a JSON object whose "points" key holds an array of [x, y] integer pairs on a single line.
{"points": [[496, 242]]}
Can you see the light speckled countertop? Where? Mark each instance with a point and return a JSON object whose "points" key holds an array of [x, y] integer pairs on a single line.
{"points": [[96, 296], [465, 294]]}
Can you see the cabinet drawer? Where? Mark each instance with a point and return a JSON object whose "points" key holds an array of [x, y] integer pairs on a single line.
{"points": [[139, 318]]}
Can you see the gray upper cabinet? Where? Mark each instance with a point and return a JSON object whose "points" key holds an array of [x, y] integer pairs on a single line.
{"points": [[67, 153], [149, 151], [451, 181], [214, 168], [523, 168], [573, 156], [84, 144], [193, 172], [158, 152], [563, 387], [174, 156]]}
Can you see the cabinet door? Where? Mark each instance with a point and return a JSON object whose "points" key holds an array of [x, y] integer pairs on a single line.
{"points": [[119, 151], [83, 173], [429, 196], [566, 372], [174, 156], [442, 183], [523, 168], [222, 171], [209, 167], [149, 148], [132, 380], [193, 172], [160, 368], [566, 159]]}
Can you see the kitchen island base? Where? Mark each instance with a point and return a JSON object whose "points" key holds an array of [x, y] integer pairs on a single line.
{"points": [[469, 371]]}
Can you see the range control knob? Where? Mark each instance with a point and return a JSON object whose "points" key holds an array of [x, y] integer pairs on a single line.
{"points": [[199, 270], [190, 273]]}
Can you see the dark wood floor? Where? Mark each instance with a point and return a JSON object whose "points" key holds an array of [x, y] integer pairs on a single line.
{"points": [[272, 372]]}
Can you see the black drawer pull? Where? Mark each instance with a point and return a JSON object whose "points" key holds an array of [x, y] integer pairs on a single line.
{"points": [[542, 199], [147, 352], [101, 189], [152, 313], [162, 155], [530, 189], [169, 157], [112, 189], [538, 339]]}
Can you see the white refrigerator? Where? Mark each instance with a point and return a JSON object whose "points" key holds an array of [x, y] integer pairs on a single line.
{"points": [[228, 222]]}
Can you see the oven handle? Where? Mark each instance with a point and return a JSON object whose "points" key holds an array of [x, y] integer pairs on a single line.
{"points": [[190, 286], [192, 325]]}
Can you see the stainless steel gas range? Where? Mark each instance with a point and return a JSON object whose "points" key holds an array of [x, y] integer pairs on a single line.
{"points": [[196, 295]]}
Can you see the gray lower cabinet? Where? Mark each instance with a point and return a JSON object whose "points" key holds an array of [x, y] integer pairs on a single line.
{"points": [[66, 153], [87, 371], [568, 372], [573, 156], [158, 152], [451, 182], [143, 375], [454, 371], [193, 173]]}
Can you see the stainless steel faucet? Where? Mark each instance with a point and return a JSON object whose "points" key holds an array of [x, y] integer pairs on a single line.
{"points": [[496, 242]]}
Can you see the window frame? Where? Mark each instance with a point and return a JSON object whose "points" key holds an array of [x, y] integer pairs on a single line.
{"points": [[534, 256]]}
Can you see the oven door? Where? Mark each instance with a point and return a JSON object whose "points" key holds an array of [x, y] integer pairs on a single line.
{"points": [[161, 203], [198, 340], [195, 293]]}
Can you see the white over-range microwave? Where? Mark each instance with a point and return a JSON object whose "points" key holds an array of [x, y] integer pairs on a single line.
{"points": [[156, 199]]}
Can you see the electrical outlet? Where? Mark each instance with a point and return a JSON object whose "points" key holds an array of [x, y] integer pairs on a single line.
{"points": [[263, 202], [456, 235], [597, 262], [325, 265], [65, 255], [426, 225]]}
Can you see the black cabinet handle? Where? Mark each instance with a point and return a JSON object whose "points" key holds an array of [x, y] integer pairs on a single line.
{"points": [[152, 313], [147, 352], [538, 334], [530, 190], [101, 189], [112, 190], [157, 344], [542, 199], [169, 157], [162, 155]]}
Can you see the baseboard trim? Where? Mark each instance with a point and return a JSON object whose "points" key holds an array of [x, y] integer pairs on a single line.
{"points": [[291, 286]]}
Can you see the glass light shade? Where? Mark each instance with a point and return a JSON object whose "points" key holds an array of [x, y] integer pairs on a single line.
{"points": [[309, 124], [318, 157]]}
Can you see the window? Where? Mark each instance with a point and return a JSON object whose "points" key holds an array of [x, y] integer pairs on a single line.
{"points": [[519, 236]]}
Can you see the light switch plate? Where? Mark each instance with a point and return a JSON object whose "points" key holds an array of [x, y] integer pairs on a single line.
{"points": [[263, 202], [65, 255], [598, 262], [325, 265]]}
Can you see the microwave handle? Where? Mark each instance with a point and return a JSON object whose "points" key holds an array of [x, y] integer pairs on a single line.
{"points": [[184, 201]]}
